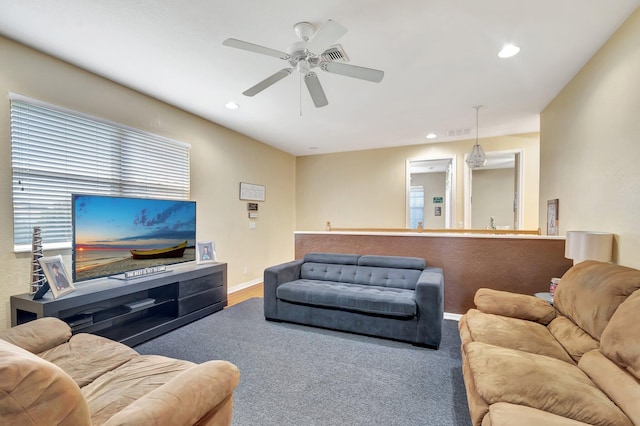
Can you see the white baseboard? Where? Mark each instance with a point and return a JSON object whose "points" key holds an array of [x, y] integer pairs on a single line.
{"points": [[455, 317], [244, 285]]}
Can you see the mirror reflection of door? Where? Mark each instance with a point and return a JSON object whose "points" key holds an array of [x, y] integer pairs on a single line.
{"points": [[430, 189], [494, 201]]}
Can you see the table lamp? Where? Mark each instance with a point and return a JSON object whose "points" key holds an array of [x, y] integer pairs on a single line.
{"points": [[588, 245]]}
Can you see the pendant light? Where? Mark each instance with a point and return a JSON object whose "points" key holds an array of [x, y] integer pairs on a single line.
{"points": [[477, 158]]}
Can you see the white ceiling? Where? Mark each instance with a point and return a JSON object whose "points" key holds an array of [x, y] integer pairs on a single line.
{"points": [[439, 57]]}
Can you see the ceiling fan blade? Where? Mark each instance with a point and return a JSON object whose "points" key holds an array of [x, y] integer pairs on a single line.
{"points": [[327, 34], [239, 44], [267, 82], [354, 71], [315, 90]]}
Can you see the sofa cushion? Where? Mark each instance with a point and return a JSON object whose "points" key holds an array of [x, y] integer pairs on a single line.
{"points": [[621, 339], [36, 392], [86, 356], [333, 258], [514, 333], [361, 298], [115, 390], [399, 262], [619, 385], [590, 292], [573, 339], [545, 383]]}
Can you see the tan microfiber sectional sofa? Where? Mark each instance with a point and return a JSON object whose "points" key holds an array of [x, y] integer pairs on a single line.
{"points": [[48, 377], [578, 362]]}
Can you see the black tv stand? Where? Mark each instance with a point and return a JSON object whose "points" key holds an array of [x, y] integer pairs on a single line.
{"points": [[134, 310]]}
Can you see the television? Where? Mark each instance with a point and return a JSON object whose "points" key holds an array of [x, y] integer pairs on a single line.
{"points": [[114, 235]]}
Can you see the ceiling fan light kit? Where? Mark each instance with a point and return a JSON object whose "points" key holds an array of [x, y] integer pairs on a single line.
{"points": [[316, 49]]}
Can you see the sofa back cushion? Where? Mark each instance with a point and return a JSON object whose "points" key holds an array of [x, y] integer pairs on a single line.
{"points": [[36, 392], [399, 262], [328, 272], [590, 292], [387, 277], [620, 340], [332, 258], [383, 271]]}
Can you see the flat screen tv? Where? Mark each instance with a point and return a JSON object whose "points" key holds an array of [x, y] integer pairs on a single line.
{"points": [[113, 235]]}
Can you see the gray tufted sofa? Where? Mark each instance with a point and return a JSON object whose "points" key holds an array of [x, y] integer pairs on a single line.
{"points": [[386, 296]]}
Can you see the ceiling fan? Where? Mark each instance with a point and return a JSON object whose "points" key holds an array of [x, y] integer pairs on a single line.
{"points": [[314, 50]]}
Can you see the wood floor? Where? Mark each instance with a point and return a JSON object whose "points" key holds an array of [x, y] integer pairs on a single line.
{"points": [[244, 294]]}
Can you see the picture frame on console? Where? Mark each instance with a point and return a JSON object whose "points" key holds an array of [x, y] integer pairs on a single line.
{"points": [[205, 252], [57, 275]]}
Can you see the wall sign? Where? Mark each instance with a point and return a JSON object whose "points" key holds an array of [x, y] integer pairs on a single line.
{"points": [[252, 192], [437, 200]]}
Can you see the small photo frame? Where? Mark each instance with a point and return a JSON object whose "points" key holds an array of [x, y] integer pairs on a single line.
{"points": [[57, 275], [205, 252]]}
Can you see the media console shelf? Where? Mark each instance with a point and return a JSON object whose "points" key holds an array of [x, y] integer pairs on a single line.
{"points": [[134, 310]]}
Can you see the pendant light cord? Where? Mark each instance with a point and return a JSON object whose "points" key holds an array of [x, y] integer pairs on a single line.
{"points": [[477, 108]]}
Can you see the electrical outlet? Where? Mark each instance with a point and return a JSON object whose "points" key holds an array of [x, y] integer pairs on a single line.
{"points": [[245, 270]]}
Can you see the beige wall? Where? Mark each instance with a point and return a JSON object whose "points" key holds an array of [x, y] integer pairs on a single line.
{"points": [[367, 189], [590, 146], [220, 160]]}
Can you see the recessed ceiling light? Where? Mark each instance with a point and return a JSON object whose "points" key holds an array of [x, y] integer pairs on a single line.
{"points": [[508, 50], [432, 136], [231, 105]]}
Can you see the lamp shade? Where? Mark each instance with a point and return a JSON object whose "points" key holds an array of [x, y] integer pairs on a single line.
{"points": [[588, 245]]}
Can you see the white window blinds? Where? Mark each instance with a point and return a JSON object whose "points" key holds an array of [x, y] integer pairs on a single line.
{"points": [[56, 153]]}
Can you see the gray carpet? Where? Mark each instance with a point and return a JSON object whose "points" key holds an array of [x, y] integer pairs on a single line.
{"points": [[298, 375]]}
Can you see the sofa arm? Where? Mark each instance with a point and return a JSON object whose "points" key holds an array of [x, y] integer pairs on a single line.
{"points": [[514, 305], [38, 335], [430, 302], [273, 277], [200, 395]]}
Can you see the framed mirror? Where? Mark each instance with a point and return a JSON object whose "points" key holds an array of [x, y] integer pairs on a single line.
{"points": [[431, 189], [493, 194]]}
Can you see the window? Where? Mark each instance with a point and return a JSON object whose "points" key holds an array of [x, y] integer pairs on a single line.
{"points": [[57, 152], [416, 206]]}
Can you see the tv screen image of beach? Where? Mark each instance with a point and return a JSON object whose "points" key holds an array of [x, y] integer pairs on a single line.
{"points": [[113, 235]]}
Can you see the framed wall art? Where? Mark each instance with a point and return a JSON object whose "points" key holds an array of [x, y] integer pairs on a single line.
{"points": [[552, 217], [252, 192]]}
